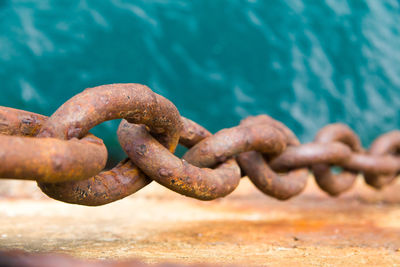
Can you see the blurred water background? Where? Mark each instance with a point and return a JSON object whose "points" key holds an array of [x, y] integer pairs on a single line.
{"points": [[306, 63]]}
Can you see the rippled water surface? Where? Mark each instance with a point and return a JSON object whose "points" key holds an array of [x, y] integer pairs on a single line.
{"points": [[306, 63]]}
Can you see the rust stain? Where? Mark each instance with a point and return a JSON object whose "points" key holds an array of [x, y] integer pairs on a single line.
{"points": [[247, 228]]}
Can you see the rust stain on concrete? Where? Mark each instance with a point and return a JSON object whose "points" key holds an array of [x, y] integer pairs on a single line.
{"points": [[360, 228]]}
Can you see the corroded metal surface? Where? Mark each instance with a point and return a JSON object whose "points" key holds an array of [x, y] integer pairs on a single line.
{"points": [[45, 160], [51, 160], [20, 122], [389, 145], [174, 173], [133, 102], [335, 184], [60, 154], [192, 133], [233, 141], [280, 186], [256, 167], [311, 154]]}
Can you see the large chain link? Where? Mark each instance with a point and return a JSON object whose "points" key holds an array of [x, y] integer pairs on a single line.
{"points": [[67, 161]]}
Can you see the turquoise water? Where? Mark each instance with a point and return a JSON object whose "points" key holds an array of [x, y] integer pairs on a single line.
{"points": [[306, 63]]}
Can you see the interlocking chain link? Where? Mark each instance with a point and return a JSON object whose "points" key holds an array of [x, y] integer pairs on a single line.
{"points": [[67, 161]]}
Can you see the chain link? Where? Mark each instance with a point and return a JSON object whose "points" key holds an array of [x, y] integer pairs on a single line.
{"points": [[67, 161]]}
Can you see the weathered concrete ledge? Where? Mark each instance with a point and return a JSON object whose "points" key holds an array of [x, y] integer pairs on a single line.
{"points": [[362, 227]]}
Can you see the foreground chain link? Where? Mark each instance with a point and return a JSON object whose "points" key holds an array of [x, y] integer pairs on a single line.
{"points": [[67, 161]]}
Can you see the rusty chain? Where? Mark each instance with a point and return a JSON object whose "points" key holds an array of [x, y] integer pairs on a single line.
{"points": [[67, 161]]}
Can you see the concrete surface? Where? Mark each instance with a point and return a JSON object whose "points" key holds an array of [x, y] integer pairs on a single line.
{"points": [[360, 228]]}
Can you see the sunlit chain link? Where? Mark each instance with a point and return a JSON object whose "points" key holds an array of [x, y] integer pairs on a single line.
{"points": [[67, 161]]}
